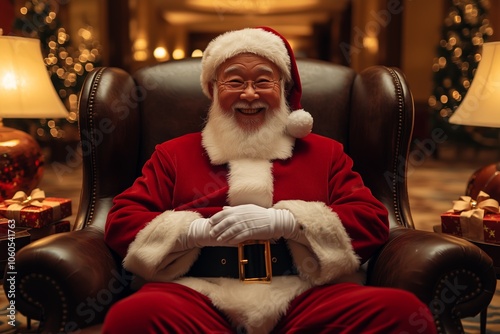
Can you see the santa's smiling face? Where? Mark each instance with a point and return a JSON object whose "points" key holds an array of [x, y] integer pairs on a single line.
{"points": [[252, 115], [248, 89]]}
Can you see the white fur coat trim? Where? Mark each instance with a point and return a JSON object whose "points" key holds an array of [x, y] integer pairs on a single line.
{"points": [[250, 182], [256, 307], [326, 255], [151, 255]]}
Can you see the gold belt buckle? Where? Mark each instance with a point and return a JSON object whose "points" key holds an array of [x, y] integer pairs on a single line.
{"points": [[242, 262]]}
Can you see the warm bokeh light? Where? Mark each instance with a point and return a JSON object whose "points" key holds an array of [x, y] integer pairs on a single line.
{"points": [[161, 53], [371, 44], [85, 33], [140, 44], [140, 49], [197, 53], [178, 54], [140, 55], [459, 53], [67, 59]]}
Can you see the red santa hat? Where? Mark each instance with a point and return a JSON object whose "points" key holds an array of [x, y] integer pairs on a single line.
{"points": [[267, 43]]}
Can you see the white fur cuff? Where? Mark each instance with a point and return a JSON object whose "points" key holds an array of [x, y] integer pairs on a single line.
{"points": [[151, 252], [329, 255]]}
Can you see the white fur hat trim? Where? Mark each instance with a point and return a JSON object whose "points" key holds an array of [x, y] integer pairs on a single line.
{"points": [[248, 40]]}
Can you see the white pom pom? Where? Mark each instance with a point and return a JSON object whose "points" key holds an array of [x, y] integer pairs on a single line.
{"points": [[299, 124]]}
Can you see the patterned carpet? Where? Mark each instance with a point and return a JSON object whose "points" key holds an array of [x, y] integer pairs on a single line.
{"points": [[434, 182]]}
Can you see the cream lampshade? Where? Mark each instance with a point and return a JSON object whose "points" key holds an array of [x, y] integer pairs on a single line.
{"points": [[25, 92], [481, 107]]}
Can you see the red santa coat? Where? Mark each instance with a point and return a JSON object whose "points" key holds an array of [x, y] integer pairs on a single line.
{"points": [[343, 223]]}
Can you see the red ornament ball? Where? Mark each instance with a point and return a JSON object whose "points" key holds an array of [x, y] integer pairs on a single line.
{"points": [[486, 179], [21, 162]]}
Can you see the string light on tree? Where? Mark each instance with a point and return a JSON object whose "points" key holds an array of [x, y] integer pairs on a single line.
{"points": [[68, 59], [465, 29]]}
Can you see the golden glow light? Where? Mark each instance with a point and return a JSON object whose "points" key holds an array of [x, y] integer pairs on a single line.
{"points": [[371, 44], [197, 53], [178, 54], [160, 53], [25, 87], [140, 44], [140, 55]]}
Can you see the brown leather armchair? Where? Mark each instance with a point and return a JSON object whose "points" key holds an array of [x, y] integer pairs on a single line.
{"points": [[69, 281]]}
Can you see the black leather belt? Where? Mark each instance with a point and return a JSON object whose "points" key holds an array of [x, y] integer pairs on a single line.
{"points": [[252, 262]]}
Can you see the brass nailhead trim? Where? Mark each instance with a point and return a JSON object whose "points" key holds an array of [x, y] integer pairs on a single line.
{"points": [[25, 280]]}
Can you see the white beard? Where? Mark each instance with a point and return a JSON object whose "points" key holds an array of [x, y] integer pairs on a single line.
{"points": [[225, 140]]}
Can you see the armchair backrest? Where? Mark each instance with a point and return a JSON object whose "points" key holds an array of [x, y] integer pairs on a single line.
{"points": [[122, 117]]}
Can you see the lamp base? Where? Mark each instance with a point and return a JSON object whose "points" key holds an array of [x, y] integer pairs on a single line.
{"points": [[21, 162], [485, 179]]}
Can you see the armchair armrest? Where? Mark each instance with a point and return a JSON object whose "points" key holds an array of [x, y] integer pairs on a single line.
{"points": [[453, 277], [68, 281]]}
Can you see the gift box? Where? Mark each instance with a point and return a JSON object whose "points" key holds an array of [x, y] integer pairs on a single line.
{"points": [[473, 219], [54, 228], [488, 231], [35, 211]]}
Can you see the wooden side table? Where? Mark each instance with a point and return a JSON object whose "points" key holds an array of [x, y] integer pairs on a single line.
{"points": [[9, 243], [493, 250]]}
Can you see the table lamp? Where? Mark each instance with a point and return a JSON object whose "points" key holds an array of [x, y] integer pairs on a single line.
{"points": [[481, 107], [26, 91]]}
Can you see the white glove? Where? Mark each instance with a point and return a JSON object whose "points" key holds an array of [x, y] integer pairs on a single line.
{"points": [[199, 235], [235, 224]]}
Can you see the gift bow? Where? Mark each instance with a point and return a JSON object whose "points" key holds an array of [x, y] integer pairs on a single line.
{"points": [[483, 202], [472, 213], [37, 198], [20, 199]]}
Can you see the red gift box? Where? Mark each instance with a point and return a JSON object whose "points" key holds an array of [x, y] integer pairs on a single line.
{"points": [[51, 209], [450, 224], [54, 228], [475, 219]]}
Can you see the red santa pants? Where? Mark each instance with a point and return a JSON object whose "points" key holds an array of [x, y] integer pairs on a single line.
{"points": [[340, 308]]}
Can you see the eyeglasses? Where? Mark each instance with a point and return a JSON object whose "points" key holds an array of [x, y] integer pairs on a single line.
{"points": [[240, 85]]}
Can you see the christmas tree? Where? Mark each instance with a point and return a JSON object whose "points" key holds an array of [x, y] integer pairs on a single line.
{"points": [[466, 27], [68, 62]]}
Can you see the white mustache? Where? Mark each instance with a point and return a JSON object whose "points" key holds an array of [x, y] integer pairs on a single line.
{"points": [[253, 105]]}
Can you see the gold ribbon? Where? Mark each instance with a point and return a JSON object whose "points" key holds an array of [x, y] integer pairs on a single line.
{"points": [[21, 200], [472, 214]]}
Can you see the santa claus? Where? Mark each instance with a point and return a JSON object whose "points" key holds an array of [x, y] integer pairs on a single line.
{"points": [[254, 224]]}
